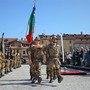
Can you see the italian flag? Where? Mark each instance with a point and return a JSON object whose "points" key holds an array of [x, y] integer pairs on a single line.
{"points": [[30, 27]]}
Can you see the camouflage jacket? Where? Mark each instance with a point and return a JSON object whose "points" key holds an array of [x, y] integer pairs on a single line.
{"points": [[2, 57], [35, 54], [52, 51]]}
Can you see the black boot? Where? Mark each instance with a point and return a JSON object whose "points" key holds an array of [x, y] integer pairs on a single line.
{"points": [[60, 79], [0, 75], [47, 77], [51, 80], [39, 80], [10, 70], [31, 78], [54, 77]]}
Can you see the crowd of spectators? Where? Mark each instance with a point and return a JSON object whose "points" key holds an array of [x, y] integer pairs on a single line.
{"points": [[79, 57]]}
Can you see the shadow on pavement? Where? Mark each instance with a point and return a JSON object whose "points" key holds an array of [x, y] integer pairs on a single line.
{"points": [[26, 82]]}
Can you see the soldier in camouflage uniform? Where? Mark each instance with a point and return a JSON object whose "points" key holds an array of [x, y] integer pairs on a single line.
{"points": [[30, 58], [11, 60], [35, 55], [18, 61], [2, 64], [53, 52], [45, 50], [0, 67], [8, 66], [14, 59]]}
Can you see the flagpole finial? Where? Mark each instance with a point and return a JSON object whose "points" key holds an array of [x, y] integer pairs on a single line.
{"points": [[34, 3], [3, 33]]}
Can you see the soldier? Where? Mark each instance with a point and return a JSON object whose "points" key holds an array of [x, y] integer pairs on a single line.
{"points": [[2, 63], [0, 67], [7, 62], [11, 60], [45, 50], [53, 63], [30, 57], [35, 56], [14, 59], [18, 59]]}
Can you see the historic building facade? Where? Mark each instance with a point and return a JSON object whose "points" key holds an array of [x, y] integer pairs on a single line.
{"points": [[70, 41], [15, 45]]}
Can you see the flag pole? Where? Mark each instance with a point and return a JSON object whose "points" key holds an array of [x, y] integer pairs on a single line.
{"points": [[34, 3], [62, 46], [2, 43]]}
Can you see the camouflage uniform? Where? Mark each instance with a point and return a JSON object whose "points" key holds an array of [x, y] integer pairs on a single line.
{"points": [[11, 61], [0, 68], [46, 61], [53, 52], [36, 55], [7, 62], [30, 58], [19, 60], [14, 60], [2, 63]]}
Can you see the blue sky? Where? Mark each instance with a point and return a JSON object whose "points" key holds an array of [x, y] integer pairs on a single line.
{"points": [[51, 17]]}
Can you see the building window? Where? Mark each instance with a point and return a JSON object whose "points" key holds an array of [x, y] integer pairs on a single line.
{"points": [[23, 52], [70, 41]]}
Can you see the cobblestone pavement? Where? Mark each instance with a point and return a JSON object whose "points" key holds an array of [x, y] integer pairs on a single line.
{"points": [[19, 80]]}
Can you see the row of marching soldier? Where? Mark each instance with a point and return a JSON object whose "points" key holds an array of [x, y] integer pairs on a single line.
{"points": [[50, 54], [8, 61]]}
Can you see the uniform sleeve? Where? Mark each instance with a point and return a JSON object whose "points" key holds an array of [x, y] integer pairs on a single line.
{"points": [[59, 52], [2, 55], [29, 52]]}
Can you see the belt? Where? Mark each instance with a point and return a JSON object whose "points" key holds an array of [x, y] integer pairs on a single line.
{"points": [[53, 57]]}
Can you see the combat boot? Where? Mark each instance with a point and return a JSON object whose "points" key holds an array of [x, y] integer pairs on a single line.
{"points": [[47, 77], [39, 80], [0, 75], [33, 80], [54, 77], [51, 80], [60, 79]]}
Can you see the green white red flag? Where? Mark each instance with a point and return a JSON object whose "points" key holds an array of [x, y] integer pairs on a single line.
{"points": [[30, 27]]}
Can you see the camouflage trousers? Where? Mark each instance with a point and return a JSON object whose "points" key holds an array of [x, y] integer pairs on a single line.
{"points": [[47, 68], [7, 66], [11, 65], [36, 68], [53, 67], [2, 67], [31, 70], [14, 63], [18, 63]]}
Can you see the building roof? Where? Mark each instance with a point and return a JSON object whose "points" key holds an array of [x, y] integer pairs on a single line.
{"points": [[17, 47], [24, 41], [8, 40], [76, 36]]}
